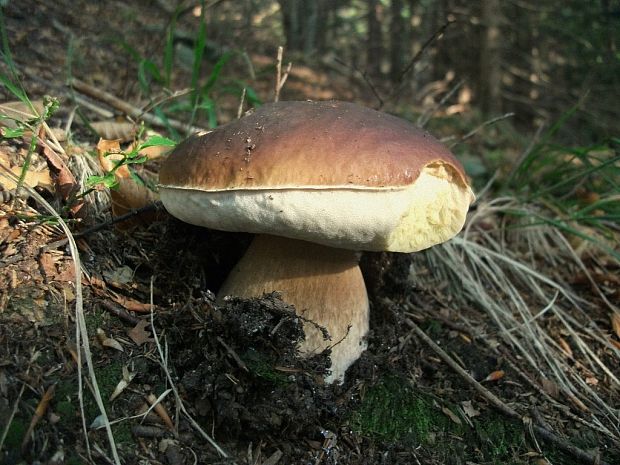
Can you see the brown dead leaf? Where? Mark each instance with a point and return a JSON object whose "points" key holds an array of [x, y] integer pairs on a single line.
{"points": [[565, 346], [39, 413], [109, 152], [32, 179], [159, 408], [615, 323], [128, 376], [130, 304], [107, 341], [592, 381], [469, 409], [65, 182], [495, 375], [128, 195], [550, 387], [450, 414], [139, 335]]}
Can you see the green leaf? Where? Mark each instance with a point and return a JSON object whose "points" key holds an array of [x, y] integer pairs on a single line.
{"points": [[9, 133], [153, 141], [108, 180]]}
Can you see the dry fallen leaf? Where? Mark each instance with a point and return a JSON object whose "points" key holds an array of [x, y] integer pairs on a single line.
{"points": [[130, 304], [128, 195], [39, 413], [32, 179], [550, 387], [128, 376], [591, 380], [495, 375], [469, 409], [159, 408], [106, 341], [450, 414], [139, 335], [615, 323], [565, 346]]}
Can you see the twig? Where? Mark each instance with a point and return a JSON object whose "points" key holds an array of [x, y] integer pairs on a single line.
{"points": [[233, 354], [127, 216], [482, 126], [366, 79], [280, 78], [240, 109], [401, 79], [128, 109], [500, 405], [119, 312]]}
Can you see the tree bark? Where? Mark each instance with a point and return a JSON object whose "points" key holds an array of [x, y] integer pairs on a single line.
{"points": [[398, 40], [490, 58], [375, 40]]}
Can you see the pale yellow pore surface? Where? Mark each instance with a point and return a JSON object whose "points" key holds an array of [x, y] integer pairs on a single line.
{"points": [[428, 212]]}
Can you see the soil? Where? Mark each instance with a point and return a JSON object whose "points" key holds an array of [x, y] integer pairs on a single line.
{"points": [[234, 367]]}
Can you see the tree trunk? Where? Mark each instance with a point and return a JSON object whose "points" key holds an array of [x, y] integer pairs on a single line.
{"points": [[490, 58], [375, 40], [398, 40], [291, 24]]}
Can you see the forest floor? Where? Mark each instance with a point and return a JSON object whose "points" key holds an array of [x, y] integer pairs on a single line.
{"points": [[228, 376]]}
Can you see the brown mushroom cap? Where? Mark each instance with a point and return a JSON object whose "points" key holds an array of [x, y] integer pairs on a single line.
{"points": [[305, 144], [333, 173]]}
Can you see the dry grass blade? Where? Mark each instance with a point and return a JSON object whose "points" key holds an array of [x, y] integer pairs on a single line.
{"points": [[81, 332], [497, 270], [179, 401]]}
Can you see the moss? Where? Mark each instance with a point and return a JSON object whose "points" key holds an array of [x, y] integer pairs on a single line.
{"points": [[94, 319], [15, 434], [74, 460], [262, 367], [392, 410], [499, 440]]}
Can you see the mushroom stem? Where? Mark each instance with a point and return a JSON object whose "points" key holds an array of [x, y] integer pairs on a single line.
{"points": [[323, 283]]}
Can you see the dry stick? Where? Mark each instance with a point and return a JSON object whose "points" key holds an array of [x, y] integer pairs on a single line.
{"points": [[127, 216], [128, 109], [119, 312], [281, 79], [366, 79], [415, 59], [500, 405], [240, 109], [482, 126]]}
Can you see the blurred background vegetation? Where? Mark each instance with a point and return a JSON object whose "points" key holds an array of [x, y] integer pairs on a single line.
{"points": [[537, 59]]}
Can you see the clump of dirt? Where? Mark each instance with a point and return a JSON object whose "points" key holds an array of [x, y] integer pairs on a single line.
{"points": [[239, 364]]}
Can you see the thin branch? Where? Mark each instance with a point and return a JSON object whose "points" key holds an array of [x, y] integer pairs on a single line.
{"points": [[128, 109], [281, 78], [482, 126], [401, 79], [240, 109]]}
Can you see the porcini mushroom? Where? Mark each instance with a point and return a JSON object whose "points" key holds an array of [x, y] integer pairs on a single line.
{"points": [[318, 182]]}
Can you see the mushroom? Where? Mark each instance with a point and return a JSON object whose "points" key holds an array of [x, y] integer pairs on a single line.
{"points": [[317, 182]]}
